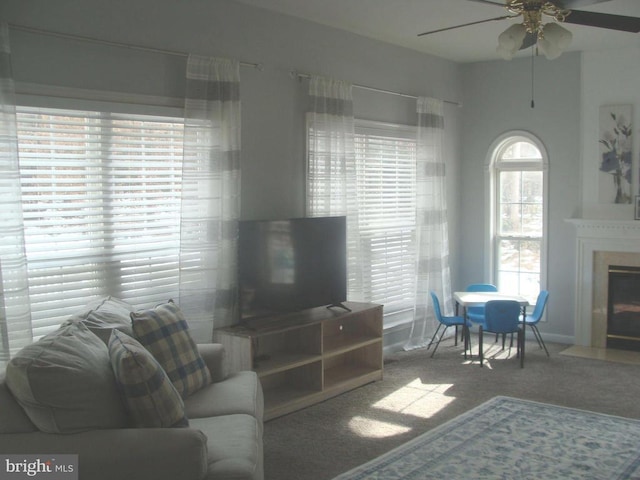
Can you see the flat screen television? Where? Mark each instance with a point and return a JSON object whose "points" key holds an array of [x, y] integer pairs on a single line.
{"points": [[289, 265]]}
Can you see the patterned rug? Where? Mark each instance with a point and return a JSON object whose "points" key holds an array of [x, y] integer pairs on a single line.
{"points": [[508, 438]]}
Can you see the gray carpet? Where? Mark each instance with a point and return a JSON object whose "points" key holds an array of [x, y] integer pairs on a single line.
{"points": [[419, 393]]}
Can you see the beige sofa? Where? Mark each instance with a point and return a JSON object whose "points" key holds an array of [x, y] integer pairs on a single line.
{"points": [[222, 441]]}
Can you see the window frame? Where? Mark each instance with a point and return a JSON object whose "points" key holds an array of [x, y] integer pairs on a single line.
{"points": [[409, 133], [404, 314], [492, 171], [108, 104]]}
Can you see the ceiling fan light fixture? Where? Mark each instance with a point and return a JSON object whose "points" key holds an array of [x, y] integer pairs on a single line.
{"points": [[558, 35], [510, 41], [554, 40]]}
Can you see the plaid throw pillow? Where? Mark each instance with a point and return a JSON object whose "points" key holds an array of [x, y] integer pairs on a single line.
{"points": [[149, 395], [163, 330]]}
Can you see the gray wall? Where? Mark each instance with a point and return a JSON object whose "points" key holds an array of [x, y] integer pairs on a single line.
{"points": [[608, 78], [273, 103], [497, 99], [495, 95]]}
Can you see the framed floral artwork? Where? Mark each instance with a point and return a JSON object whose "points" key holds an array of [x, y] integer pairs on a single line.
{"points": [[614, 177]]}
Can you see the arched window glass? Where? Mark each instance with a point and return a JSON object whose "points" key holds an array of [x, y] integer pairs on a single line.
{"points": [[519, 214]]}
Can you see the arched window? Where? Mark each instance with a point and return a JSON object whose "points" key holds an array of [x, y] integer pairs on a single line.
{"points": [[518, 204]]}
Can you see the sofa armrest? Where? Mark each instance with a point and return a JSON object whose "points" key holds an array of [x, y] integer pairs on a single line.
{"points": [[215, 357], [140, 453]]}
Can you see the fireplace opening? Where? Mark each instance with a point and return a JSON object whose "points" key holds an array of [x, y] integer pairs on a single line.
{"points": [[623, 308]]}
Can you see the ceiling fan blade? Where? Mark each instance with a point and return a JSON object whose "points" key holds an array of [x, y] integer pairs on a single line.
{"points": [[503, 17], [571, 4], [566, 4], [496, 3], [604, 20]]}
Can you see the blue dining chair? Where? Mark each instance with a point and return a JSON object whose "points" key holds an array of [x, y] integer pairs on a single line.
{"points": [[501, 317], [532, 319], [445, 322], [476, 314]]}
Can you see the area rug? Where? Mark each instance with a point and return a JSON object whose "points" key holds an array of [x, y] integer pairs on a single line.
{"points": [[509, 438]]}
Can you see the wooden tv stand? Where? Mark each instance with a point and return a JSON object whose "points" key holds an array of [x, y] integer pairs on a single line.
{"points": [[305, 357]]}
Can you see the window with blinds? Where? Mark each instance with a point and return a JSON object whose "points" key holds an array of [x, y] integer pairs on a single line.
{"points": [[101, 204], [386, 172]]}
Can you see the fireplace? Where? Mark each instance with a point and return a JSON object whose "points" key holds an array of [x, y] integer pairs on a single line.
{"points": [[623, 307], [600, 244]]}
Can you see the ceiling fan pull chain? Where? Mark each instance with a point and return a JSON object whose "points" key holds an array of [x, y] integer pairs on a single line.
{"points": [[533, 103]]}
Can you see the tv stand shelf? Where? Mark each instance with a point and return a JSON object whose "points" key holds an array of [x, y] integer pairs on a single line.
{"points": [[305, 357], [281, 362]]}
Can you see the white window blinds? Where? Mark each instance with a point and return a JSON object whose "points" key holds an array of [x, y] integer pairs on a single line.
{"points": [[101, 205], [386, 165]]}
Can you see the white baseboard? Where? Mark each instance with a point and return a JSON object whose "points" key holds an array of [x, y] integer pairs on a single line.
{"points": [[391, 348]]}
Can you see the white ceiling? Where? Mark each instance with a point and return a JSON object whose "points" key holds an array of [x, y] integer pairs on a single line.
{"points": [[400, 21]]}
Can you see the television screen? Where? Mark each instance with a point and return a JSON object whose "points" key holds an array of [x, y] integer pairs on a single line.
{"points": [[293, 264]]}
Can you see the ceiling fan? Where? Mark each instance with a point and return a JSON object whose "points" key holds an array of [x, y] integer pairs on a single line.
{"points": [[550, 37]]}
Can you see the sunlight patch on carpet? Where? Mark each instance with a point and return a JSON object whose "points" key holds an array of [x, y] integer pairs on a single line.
{"points": [[428, 406], [369, 428], [417, 399]]}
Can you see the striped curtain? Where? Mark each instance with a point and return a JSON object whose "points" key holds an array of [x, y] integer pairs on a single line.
{"points": [[15, 313], [331, 166], [211, 195], [432, 252]]}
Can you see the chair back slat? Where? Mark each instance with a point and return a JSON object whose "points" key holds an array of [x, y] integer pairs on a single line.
{"points": [[502, 316], [436, 305], [541, 302], [477, 312], [482, 287]]}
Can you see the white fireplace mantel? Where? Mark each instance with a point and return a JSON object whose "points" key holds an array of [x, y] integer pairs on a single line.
{"points": [[593, 236], [610, 229]]}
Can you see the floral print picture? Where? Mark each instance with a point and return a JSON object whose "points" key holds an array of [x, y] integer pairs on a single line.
{"points": [[615, 154]]}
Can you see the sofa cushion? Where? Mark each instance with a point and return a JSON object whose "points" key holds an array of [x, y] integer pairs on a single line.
{"points": [[116, 454], [150, 397], [13, 418], [235, 448], [65, 383], [240, 392], [104, 315], [163, 330]]}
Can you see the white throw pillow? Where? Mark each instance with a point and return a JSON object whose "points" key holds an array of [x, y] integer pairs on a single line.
{"points": [[65, 383], [104, 315]]}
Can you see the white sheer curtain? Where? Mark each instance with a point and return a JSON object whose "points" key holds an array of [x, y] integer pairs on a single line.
{"points": [[331, 165], [15, 314], [211, 194], [432, 243]]}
